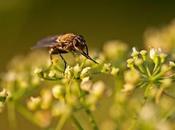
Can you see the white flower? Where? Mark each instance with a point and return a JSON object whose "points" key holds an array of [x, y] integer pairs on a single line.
{"points": [[128, 87], [86, 84], [68, 72], [134, 52], [58, 91], [33, 103], [98, 88], [3, 93], [84, 72], [37, 70], [171, 63], [154, 52], [77, 68], [114, 71]]}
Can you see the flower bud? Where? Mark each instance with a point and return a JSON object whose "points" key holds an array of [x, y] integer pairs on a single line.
{"points": [[76, 70], [58, 91], [162, 57], [114, 71], [3, 95], [130, 63], [37, 70], [85, 72], [138, 62], [134, 53], [143, 54], [34, 103], [52, 74], [154, 53], [98, 88], [86, 84], [128, 87], [106, 68], [60, 108], [172, 64], [68, 72], [131, 76], [46, 97]]}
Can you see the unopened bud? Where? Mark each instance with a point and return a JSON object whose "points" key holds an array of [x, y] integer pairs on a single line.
{"points": [[106, 68], [162, 57], [114, 71], [58, 91], [68, 72], [76, 70], [135, 53], [143, 54], [98, 88], [138, 62], [130, 63], [46, 97], [34, 103], [37, 70], [128, 87], [172, 64], [3, 95], [86, 84], [52, 73], [131, 76], [84, 72]]}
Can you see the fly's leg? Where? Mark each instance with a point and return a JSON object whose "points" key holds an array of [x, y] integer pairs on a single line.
{"points": [[51, 52], [65, 63], [51, 59]]}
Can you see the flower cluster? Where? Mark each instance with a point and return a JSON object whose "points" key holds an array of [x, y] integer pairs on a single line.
{"points": [[150, 70], [3, 97], [42, 92]]}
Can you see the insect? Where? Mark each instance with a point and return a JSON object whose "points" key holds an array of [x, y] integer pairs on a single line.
{"points": [[64, 43]]}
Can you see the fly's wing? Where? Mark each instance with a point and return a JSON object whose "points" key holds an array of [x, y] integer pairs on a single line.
{"points": [[46, 42]]}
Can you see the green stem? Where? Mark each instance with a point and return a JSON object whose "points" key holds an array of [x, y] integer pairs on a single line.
{"points": [[156, 70], [61, 122], [91, 118], [12, 115], [26, 114], [148, 71], [147, 90], [161, 74], [77, 123]]}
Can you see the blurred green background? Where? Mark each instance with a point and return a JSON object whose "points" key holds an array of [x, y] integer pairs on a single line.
{"points": [[24, 22]]}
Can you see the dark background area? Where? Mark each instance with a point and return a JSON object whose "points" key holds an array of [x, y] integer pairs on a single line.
{"points": [[24, 22]]}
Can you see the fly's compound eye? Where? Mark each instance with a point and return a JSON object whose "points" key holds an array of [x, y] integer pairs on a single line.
{"points": [[78, 45]]}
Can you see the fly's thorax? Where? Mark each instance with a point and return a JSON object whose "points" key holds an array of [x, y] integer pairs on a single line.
{"points": [[68, 37]]}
